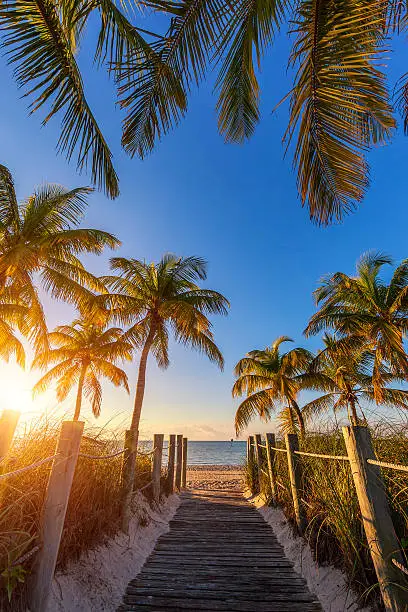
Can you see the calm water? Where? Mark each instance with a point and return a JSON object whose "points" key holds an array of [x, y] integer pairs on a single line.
{"points": [[211, 453], [216, 453]]}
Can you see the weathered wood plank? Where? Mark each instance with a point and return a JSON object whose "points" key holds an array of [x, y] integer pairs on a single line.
{"points": [[219, 555]]}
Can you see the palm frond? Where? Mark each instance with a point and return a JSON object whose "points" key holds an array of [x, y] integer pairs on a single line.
{"points": [[339, 103], [258, 404], [154, 84], [38, 46], [251, 27]]}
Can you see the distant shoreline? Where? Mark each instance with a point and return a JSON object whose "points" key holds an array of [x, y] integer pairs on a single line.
{"points": [[210, 467]]}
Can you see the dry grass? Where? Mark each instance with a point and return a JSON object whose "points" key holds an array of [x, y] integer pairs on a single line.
{"points": [[335, 532], [93, 509]]}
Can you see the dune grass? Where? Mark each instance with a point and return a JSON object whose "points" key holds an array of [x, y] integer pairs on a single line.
{"points": [[93, 513], [335, 531]]}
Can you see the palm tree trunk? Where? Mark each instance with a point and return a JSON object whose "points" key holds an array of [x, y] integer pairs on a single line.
{"points": [[79, 393], [141, 380], [353, 416], [300, 419]]}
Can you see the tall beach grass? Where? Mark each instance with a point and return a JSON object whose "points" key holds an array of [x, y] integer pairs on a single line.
{"points": [[335, 531], [93, 513]]}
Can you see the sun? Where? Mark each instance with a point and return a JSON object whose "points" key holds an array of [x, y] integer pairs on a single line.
{"points": [[16, 389]]}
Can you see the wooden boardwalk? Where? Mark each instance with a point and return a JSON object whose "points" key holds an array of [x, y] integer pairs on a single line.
{"points": [[218, 555]]}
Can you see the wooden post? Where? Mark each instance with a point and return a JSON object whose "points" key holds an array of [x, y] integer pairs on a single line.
{"points": [[179, 460], [258, 457], [270, 455], [54, 510], [8, 424], [248, 450], [379, 529], [170, 465], [184, 466], [251, 461], [157, 463], [295, 475], [128, 476]]}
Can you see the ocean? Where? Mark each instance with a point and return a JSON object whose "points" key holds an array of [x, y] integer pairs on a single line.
{"points": [[211, 453], [216, 453]]}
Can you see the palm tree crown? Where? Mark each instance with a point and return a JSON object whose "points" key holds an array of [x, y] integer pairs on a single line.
{"points": [[270, 379], [40, 238], [347, 381], [157, 299], [83, 353], [367, 314]]}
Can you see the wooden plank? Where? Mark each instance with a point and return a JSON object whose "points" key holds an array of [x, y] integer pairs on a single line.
{"points": [[379, 529], [270, 456], [54, 510], [179, 460], [184, 464], [157, 464], [295, 475], [218, 555], [171, 463]]}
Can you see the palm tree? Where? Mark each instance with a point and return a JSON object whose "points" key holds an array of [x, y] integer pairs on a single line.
{"points": [[40, 239], [270, 379], [339, 100], [14, 315], [42, 39], [160, 298], [347, 381], [83, 353], [367, 314]]}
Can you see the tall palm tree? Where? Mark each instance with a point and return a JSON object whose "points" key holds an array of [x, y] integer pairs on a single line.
{"points": [[339, 101], [162, 298], [367, 314], [40, 239], [347, 380], [83, 353], [271, 379]]}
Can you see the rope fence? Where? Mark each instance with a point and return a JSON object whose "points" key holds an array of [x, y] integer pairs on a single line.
{"points": [[144, 487], [146, 454], [376, 517], [390, 466], [27, 468], [336, 457], [85, 456], [403, 569]]}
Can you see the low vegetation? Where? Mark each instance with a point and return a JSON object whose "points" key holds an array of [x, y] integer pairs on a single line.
{"points": [[335, 532], [93, 513]]}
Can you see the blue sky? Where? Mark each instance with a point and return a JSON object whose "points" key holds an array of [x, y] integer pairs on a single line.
{"points": [[237, 206]]}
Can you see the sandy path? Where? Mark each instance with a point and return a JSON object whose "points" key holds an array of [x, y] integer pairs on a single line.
{"points": [[215, 477]]}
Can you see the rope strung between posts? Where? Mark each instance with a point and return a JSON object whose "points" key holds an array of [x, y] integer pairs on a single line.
{"points": [[144, 487], [27, 556], [338, 457], [391, 466], [146, 454], [32, 466], [261, 445], [281, 450], [85, 456], [400, 566]]}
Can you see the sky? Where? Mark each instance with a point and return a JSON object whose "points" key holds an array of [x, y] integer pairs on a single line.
{"points": [[235, 205]]}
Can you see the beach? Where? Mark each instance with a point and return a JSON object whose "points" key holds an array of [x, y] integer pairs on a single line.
{"points": [[215, 477]]}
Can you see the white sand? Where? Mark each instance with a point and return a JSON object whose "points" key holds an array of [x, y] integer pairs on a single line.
{"points": [[215, 477], [97, 582], [328, 583]]}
